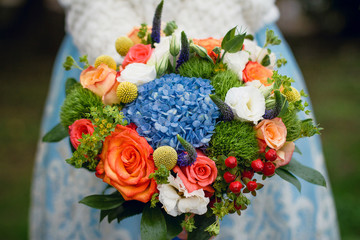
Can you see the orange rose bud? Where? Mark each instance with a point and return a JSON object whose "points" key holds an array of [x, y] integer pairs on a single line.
{"points": [[101, 81], [256, 71], [209, 44], [126, 163], [138, 53]]}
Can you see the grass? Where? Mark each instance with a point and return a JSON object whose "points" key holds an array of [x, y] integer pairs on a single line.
{"points": [[331, 69]]}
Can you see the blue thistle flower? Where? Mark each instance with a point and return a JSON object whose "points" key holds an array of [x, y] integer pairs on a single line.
{"points": [[275, 111], [184, 52], [156, 27], [184, 159], [173, 105]]}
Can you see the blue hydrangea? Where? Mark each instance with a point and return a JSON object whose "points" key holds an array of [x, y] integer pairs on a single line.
{"points": [[173, 105]]}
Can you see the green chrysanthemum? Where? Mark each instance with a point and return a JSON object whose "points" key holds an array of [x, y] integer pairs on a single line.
{"points": [[237, 138]]}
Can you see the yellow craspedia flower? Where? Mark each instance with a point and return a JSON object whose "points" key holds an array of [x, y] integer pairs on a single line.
{"points": [[126, 92], [123, 44], [107, 60], [293, 95], [166, 156]]}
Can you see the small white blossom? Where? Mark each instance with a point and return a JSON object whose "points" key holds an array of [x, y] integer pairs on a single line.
{"points": [[137, 73], [177, 200], [237, 61], [247, 103]]}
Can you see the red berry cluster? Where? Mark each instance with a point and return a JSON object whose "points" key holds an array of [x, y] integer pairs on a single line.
{"points": [[265, 166], [235, 186]]}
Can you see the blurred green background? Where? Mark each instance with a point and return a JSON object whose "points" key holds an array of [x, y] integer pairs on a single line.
{"points": [[324, 36]]}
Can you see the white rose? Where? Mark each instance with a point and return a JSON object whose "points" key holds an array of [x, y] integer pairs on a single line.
{"points": [[137, 73], [265, 90], [175, 204], [247, 103], [257, 54], [237, 61]]}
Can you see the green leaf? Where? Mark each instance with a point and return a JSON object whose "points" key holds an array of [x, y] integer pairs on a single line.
{"points": [[297, 150], [103, 202], [173, 225], [201, 223], [128, 209], [56, 134], [287, 176], [266, 61], [228, 36], [70, 84], [153, 225], [234, 45], [308, 174], [104, 214]]}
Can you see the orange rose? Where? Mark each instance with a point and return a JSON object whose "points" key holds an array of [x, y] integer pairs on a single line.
{"points": [[126, 163], [273, 132], [199, 175], [138, 53], [209, 44], [102, 82], [256, 71]]}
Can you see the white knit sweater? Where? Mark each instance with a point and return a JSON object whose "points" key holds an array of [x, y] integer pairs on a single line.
{"points": [[95, 24]]}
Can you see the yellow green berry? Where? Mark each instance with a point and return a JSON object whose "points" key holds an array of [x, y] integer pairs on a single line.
{"points": [[293, 95], [107, 60], [123, 44], [126, 92], [166, 156]]}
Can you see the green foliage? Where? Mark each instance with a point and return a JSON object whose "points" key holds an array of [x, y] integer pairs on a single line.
{"points": [[104, 120], [266, 61], [70, 63], [153, 224], [125, 210], [154, 200], [222, 81], [308, 174], [77, 104], [188, 224], [84, 60], [70, 84], [214, 229], [237, 138], [281, 62], [173, 225], [289, 177], [196, 67], [233, 42], [103, 202], [56, 134], [170, 28], [202, 222], [142, 34], [293, 125], [161, 175], [201, 51], [271, 38], [308, 128]]}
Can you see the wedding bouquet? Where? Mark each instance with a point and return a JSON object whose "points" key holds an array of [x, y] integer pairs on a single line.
{"points": [[184, 130]]}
